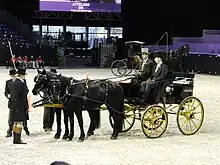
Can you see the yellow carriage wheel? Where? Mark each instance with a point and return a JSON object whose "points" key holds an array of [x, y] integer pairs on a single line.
{"points": [[129, 119], [190, 115], [154, 121]]}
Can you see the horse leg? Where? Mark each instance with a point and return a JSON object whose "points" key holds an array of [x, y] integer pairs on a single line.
{"points": [[71, 119], [58, 117], [117, 127], [118, 118], [78, 113], [92, 123], [114, 133], [66, 134]]}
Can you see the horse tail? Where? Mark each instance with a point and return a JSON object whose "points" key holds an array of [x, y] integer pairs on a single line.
{"points": [[122, 115], [97, 118]]}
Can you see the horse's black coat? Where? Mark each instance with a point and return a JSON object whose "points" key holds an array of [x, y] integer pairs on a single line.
{"points": [[47, 82], [86, 95]]}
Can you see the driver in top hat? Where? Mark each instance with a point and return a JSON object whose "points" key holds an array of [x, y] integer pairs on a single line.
{"points": [[18, 94], [22, 73], [159, 74]]}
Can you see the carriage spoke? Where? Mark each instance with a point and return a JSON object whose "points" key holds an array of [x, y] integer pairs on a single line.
{"points": [[194, 123], [184, 123], [127, 121], [196, 119], [193, 109], [190, 126]]}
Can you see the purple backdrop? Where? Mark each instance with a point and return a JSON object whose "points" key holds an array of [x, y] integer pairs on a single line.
{"points": [[208, 44], [70, 6]]}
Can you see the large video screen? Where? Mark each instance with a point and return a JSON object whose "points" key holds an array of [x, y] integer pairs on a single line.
{"points": [[81, 5]]}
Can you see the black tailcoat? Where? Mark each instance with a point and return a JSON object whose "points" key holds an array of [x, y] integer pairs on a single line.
{"points": [[160, 75], [147, 70], [7, 92], [18, 103]]}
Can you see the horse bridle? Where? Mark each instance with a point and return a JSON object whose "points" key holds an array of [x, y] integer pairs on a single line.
{"points": [[41, 86]]}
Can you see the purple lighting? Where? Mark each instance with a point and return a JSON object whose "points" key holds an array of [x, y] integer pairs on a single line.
{"points": [[81, 6]]}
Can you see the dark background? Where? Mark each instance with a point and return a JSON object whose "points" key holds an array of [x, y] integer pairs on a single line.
{"points": [[142, 20]]}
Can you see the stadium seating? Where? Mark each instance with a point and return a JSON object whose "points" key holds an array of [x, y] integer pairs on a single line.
{"points": [[10, 34]]}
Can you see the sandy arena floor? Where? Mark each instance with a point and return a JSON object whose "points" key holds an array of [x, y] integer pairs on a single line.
{"points": [[130, 148]]}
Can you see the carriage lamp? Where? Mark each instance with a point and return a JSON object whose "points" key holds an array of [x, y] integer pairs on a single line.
{"points": [[169, 89]]}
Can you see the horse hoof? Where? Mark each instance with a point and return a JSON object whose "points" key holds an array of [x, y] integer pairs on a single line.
{"points": [[65, 137], [81, 139], [113, 137], [90, 134], [57, 136], [70, 137]]}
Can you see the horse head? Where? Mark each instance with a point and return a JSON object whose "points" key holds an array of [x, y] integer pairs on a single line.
{"points": [[41, 82], [54, 86]]}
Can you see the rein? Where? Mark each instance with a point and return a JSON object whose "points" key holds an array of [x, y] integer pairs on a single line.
{"points": [[46, 99]]}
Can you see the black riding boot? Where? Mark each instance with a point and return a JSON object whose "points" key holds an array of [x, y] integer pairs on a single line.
{"points": [[9, 134], [27, 131], [26, 128], [17, 139]]}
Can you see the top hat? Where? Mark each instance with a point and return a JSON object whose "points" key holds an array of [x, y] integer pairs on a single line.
{"points": [[160, 54], [22, 72], [12, 72], [53, 70]]}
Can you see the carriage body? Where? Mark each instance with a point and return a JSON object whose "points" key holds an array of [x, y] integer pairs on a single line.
{"points": [[176, 98], [180, 86]]}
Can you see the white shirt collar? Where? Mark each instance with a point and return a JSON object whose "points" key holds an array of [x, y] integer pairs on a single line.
{"points": [[145, 60], [20, 79], [159, 64]]}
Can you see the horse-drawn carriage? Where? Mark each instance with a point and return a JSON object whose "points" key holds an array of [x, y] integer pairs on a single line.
{"points": [[121, 98], [174, 96], [124, 67]]}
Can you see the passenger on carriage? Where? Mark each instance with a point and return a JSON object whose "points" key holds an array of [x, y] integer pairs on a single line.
{"points": [[145, 68], [159, 74]]}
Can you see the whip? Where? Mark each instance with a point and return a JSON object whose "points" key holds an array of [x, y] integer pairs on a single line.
{"points": [[9, 45]]}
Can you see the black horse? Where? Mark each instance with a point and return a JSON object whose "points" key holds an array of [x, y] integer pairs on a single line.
{"points": [[49, 83], [89, 95], [175, 59]]}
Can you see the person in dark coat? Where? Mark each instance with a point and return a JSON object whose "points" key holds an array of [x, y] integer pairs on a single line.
{"points": [[12, 73], [159, 74], [146, 69], [22, 73], [18, 92], [49, 112]]}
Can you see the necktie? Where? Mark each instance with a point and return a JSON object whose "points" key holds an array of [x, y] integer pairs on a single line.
{"points": [[157, 68], [142, 66]]}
